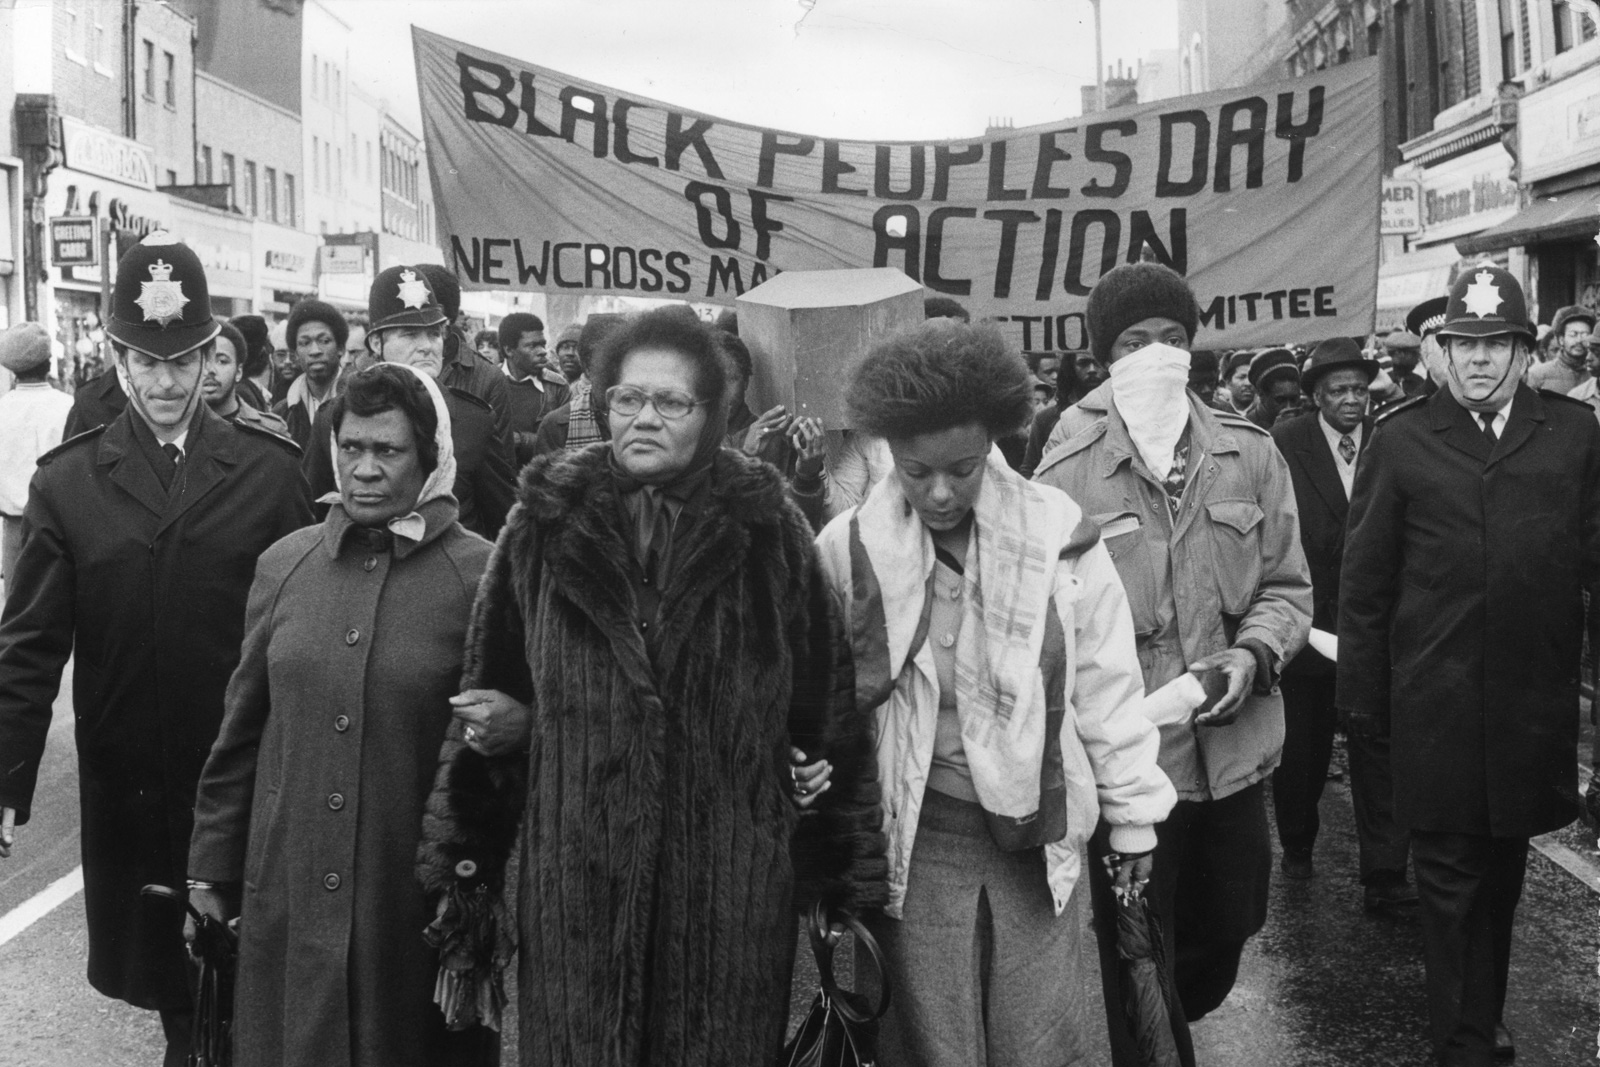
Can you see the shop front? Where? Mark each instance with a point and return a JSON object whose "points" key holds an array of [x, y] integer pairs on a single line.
{"points": [[285, 263], [1559, 135], [72, 311], [1461, 196], [225, 243]]}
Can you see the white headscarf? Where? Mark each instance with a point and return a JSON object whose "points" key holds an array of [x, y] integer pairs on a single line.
{"points": [[1149, 388], [439, 483]]}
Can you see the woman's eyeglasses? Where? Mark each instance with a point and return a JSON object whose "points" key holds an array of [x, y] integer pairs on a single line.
{"points": [[627, 401]]}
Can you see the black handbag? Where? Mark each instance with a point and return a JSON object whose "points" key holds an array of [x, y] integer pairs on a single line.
{"points": [[841, 1029]]}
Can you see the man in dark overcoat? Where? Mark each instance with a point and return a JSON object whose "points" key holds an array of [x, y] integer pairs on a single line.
{"points": [[1473, 532], [1323, 450], [140, 540]]}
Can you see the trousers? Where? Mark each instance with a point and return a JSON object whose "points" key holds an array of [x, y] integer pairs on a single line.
{"points": [[1383, 844], [985, 971], [1213, 869], [1308, 721], [1468, 886]]}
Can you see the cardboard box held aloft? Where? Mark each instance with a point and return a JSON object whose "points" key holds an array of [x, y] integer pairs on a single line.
{"points": [[807, 328]]}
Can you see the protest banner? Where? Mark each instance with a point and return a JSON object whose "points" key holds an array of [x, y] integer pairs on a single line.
{"points": [[1266, 197]]}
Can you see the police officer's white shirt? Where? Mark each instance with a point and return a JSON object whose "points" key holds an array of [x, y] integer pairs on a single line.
{"points": [[1501, 417], [1347, 471]]}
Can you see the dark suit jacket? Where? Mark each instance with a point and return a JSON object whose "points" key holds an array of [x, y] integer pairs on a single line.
{"points": [[1461, 608], [1323, 506]]}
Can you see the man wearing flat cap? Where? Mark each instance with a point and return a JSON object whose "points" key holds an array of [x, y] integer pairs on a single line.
{"points": [[1197, 510], [1323, 452], [1404, 349], [32, 417], [139, 543], [1473, 533], [408, 325], [1275, 380]]}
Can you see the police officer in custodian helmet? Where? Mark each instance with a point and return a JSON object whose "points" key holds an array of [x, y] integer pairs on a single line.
{"points": [[139, 544]]}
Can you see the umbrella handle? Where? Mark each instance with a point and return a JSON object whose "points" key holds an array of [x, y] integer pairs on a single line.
{"points": [[162, 892], [823, 951]]}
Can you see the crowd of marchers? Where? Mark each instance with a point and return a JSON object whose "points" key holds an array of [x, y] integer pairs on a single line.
{"points": [[1031, 629]]}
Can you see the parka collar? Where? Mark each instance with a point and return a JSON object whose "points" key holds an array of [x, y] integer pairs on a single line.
{"points": [[439, 514], [1206, 432]]}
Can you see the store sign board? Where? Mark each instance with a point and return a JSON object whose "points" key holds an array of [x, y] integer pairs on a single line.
{"points": [[1560, 126], [73, 242], [1468, 194], [225, 247], [1402, 206], [95, 151], [343, 259]]}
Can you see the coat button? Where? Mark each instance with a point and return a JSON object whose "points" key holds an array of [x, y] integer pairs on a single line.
{"points": [[466, 869], [352, 636], [335, 801], [947, 641], [370, 563], [330, 882], [341, 723]]}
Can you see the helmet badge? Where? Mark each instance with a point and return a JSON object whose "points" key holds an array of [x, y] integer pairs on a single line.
{"points": [[161, 298], [1482, 297], [413, 290]]}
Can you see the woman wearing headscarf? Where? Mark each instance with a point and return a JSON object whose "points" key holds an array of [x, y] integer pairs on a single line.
{"points": [[310, 807], [655, 601], [993, 645]]}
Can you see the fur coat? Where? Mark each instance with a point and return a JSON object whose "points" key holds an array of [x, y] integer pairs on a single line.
{"points": [[662, 861]]}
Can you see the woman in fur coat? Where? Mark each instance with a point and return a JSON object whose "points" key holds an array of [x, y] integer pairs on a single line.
{"points": [[651, 641]]}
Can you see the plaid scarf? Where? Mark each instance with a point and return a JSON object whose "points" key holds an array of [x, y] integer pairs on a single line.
{"points": [[582, 427]]}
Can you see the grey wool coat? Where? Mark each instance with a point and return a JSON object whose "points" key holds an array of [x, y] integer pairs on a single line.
{"points": [[313, 794], [662, 861]]}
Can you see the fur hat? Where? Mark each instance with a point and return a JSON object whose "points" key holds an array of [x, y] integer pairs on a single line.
{"points": [[316, 311], [1134, 292], [569, 336], [1574, 313], [24, 347]]}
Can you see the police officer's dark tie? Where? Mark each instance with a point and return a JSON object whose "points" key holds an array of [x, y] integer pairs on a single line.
{"points": [[1347, 449], [174, 453], [1488, 428]]}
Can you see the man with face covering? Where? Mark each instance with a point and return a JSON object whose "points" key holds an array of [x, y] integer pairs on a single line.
{"points": [[1474, 531], [1198, 512], [139, 541]]}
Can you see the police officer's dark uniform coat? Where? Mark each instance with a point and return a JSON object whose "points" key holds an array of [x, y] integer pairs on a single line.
{"points": [[147, 588], [1481, 695], [96, 403]]}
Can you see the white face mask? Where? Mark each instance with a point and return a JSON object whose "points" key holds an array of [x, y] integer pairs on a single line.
{"points": [[1149, 390]]}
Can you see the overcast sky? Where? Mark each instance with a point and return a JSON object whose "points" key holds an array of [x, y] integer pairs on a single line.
{"points": [[890, 69]]}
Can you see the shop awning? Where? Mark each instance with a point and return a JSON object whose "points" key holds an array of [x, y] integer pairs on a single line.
{"points": [[1548, 218]]}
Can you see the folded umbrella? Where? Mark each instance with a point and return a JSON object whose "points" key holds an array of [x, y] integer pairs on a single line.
{"points": [[1143, 978]]}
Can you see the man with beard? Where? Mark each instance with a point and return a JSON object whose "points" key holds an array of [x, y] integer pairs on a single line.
{"points": [[222, 381], [409, 326], [1473, 534], [1570, 330], [140, 540], [317, 333]]}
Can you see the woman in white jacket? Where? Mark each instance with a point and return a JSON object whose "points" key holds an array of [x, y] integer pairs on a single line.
{"points": [[991, 635]]}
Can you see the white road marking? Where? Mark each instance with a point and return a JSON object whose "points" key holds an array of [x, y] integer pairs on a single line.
{"points": [[40, 904]]}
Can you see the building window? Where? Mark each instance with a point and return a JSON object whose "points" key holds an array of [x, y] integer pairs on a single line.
{"points": [[72, 44], [204, 177], [1562, 16], [226, 177], [149, 70], [339, 157], [369, 162], [328, 184], [269, 190], [288, 200], [1508, 41], [172, 177], [315, 92], [250, 203], [1430, 27], [172, 79], [97, 45], [316, 162], [355, 164]]}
